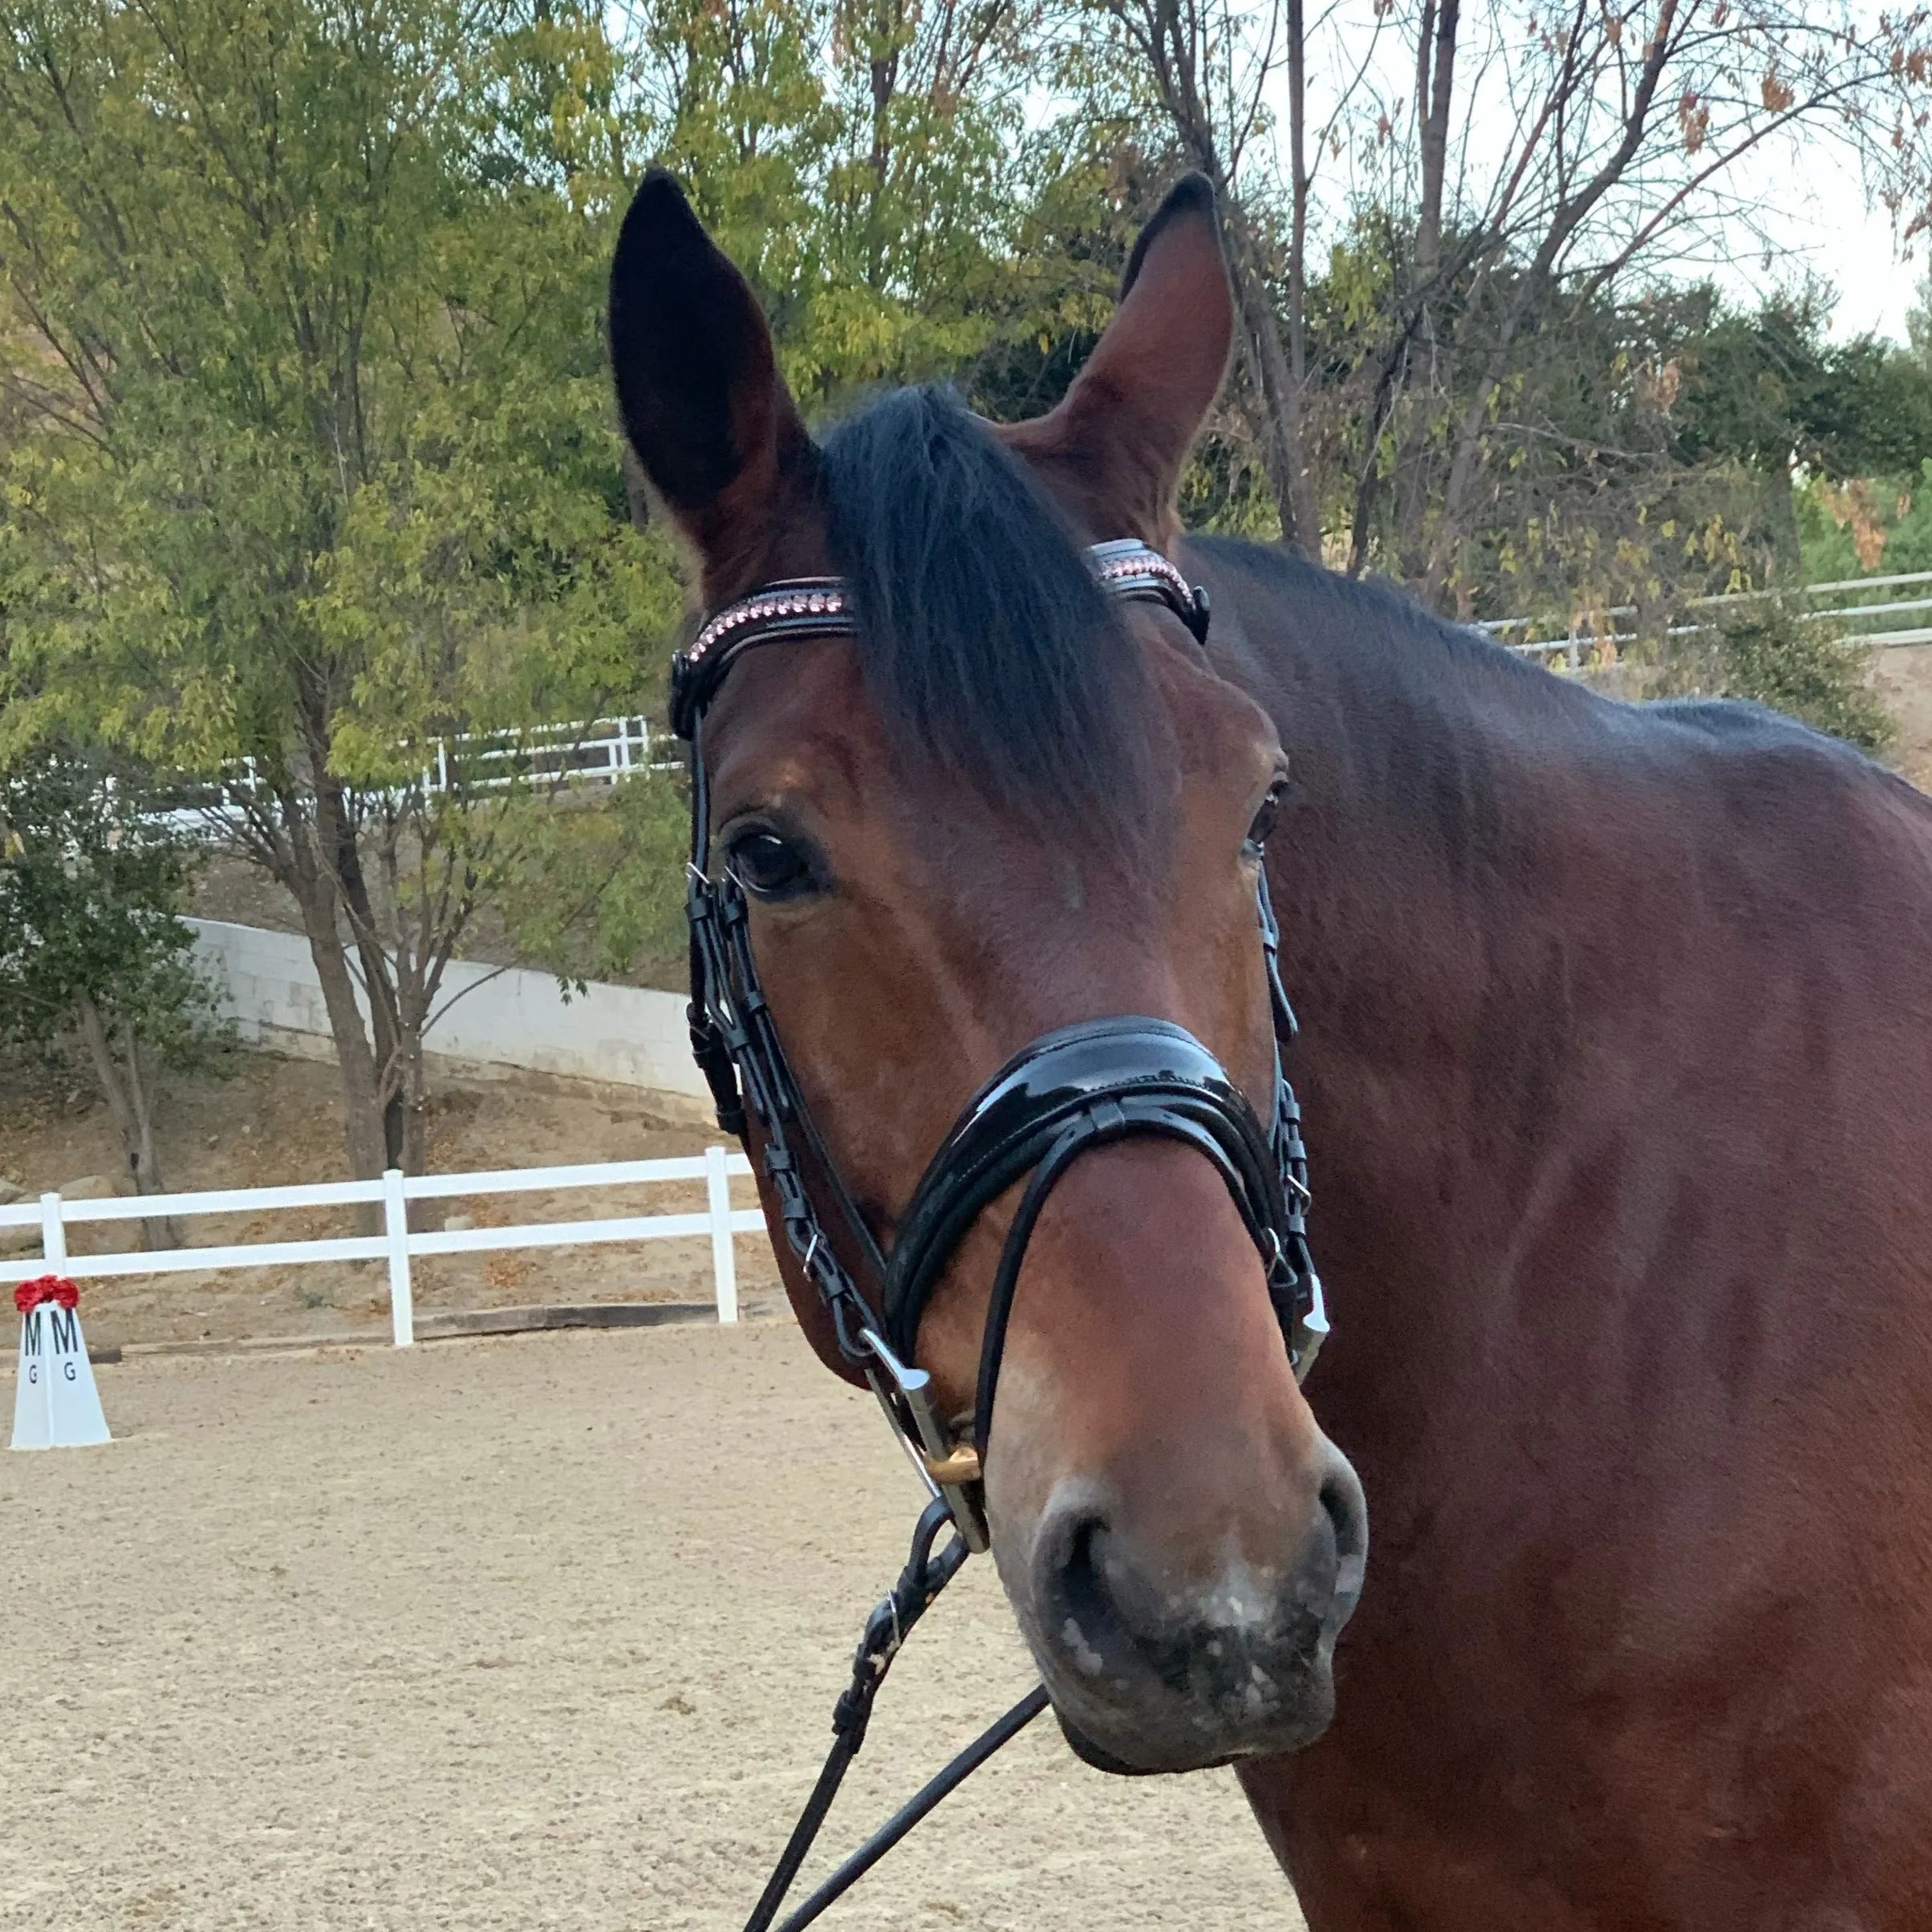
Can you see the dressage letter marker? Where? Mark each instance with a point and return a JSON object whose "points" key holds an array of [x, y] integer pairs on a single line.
{"points": [[55, 1404]]}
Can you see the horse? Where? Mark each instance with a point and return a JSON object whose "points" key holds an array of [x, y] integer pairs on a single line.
{"points": [[1616, 1061]]}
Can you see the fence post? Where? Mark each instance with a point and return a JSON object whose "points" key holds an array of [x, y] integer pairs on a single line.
{"points": [[395, 1226], [723, 1261], [53, 1232]]}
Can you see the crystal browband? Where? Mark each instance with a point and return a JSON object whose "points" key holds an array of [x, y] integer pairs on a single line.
{"points": [[1120, 564], [810, 606], [808, 597]]}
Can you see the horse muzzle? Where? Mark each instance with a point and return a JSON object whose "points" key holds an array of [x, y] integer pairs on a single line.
{"points": [[1153, 1671]]}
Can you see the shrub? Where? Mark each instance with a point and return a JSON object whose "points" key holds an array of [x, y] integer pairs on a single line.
{"points": [[1803, 665]]}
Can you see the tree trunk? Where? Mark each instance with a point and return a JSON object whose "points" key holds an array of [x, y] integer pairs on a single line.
{"points": [[409, 1127], [126, 1096], [1368, 486], [309, 843], [354, 1062], [336, 839], [1273, 379], [1300, 477], [1467, 451], [1435, 87], [1173, 42], [1435, 91]]}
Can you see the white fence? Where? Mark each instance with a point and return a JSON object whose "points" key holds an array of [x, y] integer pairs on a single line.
{"points": [[593, 751], [396, 1244], [1853, 616], [598, 751]]}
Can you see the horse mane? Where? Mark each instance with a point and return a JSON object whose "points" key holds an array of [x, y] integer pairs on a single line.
{"points": [[1378, 617], [1452, 737], [984, 639], [1396, 647]]}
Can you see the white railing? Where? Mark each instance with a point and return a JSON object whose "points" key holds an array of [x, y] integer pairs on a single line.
{"points": [[598, 751], [1851, 615], [396, 1244]]}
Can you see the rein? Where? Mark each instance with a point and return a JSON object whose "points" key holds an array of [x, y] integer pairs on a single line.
{"points": [[1065, 1093]]}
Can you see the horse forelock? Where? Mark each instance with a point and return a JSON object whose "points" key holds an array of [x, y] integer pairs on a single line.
{"points": [[985, 641]]}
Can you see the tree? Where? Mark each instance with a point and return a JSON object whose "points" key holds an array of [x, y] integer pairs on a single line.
{"points": [[866, 162], [1495, 205], [92, 950], [312, 490], [1775, 654], [1203, 71]]}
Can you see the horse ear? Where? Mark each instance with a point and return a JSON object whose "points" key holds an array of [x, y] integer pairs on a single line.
{"points": [[712, 424], [1122, 433]]}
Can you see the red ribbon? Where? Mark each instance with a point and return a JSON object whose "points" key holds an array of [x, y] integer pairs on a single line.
{"points": [[29, 1295]]}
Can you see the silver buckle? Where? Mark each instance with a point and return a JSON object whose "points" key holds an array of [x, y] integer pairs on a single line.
{"points": [[914, 1388]]}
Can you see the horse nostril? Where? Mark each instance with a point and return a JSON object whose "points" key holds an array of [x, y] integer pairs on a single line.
{"points": [[1343, 1503], [1098, 1610], [1086, 1615]]}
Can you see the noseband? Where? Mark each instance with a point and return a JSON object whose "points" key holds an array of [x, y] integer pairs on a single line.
{"points": [[1063, 1094]]}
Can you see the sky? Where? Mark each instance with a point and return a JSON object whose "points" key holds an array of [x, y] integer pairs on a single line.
{"points": [[1822, 214], [1810, 216]]}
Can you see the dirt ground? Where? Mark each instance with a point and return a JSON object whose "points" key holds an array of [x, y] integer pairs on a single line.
{"points": [[1902, 676], [271, 1121], [524, 1634]]}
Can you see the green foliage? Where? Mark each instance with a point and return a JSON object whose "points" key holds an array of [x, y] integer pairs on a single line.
{"points": [[1770, 652], [306, 456], [91, 883], [1864, 525], [310, 459], [1770, 388], [866, 162], [1642, 454], [599, 890], [322, 461]]}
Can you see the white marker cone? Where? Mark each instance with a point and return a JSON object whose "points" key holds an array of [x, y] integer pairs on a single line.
{"points": [[55, 1403]]}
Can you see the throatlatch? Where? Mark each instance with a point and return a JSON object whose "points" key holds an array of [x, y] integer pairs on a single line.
{"points": [[1063, 1094]]}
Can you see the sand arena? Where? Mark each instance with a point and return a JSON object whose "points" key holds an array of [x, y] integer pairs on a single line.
{"points": [[534, 1633]]}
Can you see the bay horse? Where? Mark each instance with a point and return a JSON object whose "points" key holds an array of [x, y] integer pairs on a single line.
{"points": [[1617, 1063]]}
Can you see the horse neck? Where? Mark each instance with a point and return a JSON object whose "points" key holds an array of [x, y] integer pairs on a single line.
{"points": [[1428, 878]]}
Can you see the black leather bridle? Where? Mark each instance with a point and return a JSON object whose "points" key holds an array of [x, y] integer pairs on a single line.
{"points": [[1065, 1093]]}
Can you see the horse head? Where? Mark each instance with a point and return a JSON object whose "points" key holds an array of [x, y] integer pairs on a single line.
{"points": [[990, 805]]}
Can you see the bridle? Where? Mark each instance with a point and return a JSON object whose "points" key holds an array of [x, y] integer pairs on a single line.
{"points": [[1071, 1090]]}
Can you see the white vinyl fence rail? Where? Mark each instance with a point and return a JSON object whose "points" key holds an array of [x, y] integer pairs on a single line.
{"points": [[593, 751], [1865, 623], [601, 751], [396, 1244]]}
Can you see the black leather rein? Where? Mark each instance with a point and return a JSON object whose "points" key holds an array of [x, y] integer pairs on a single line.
{"points": [[1063, 1094]]}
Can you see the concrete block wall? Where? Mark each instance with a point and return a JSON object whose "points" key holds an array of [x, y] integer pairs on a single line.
{"points": [[492, 1020]]}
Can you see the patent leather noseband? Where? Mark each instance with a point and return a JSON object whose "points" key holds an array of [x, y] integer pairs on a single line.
{"points": [[1071, 1090], [1078, 1088]]}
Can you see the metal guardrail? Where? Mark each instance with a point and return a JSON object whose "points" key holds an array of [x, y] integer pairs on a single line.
{"points": [[397, 1244], [1852, 615]]}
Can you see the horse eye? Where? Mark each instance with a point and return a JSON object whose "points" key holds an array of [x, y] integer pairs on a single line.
{"points": [[1264, 819], [769, 866]]}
